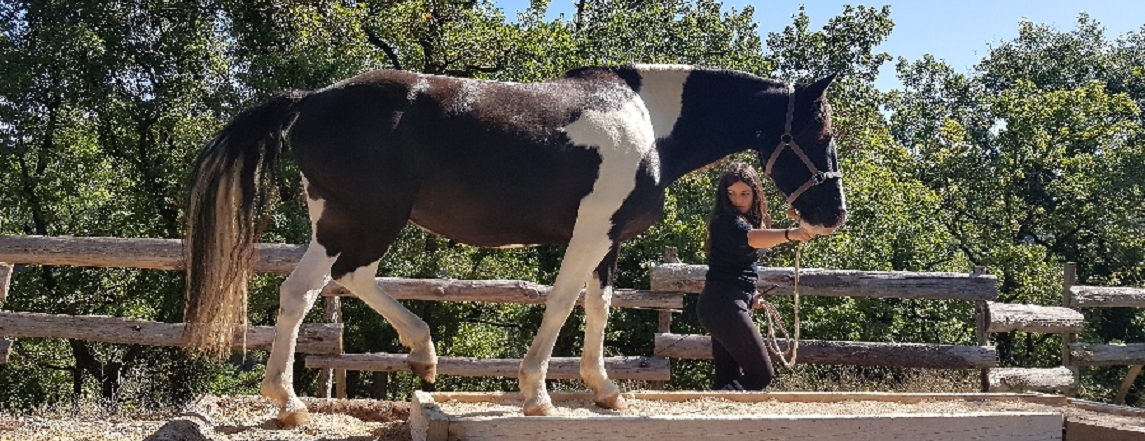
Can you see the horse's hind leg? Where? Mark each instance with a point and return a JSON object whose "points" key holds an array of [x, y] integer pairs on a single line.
{"points": [[296, 296], [362, 244], [597, 296], [412, 330]]}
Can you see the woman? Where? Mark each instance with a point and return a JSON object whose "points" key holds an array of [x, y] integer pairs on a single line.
{"points": [[738, 231]]}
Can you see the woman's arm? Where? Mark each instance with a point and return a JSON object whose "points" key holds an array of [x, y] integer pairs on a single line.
{"points": [[770, 237]]}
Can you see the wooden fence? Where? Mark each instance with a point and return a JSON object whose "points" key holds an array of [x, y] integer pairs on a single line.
{"points": [[322, 342]]}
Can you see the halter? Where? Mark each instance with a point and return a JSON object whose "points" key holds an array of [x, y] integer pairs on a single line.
{"points": [[786, 141]]}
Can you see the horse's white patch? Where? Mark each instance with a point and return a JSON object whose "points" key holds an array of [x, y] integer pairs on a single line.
{"points": [[623, 139], [662, 89], [418, 87]]}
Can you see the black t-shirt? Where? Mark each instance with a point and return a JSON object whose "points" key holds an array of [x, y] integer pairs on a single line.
{"points": [[731, 259]]}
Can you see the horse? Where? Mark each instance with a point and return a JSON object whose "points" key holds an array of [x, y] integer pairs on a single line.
{"points": [[582, 159]]}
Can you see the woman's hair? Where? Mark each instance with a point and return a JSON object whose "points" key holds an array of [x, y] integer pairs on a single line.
{"points": [[757, 216]]}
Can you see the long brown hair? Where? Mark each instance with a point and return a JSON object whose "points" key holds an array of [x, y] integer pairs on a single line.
{"points": [[757, 215]]}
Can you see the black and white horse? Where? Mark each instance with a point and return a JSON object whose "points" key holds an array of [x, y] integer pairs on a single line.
{"points": [[582, 160]]}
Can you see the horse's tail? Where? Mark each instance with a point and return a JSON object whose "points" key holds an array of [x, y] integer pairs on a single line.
{"points": [[231, 183]]}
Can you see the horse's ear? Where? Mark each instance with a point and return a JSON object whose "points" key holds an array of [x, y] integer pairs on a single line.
{"points": [[819, 88]]}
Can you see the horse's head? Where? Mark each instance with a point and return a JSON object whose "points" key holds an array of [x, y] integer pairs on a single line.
{"points": [[802, 160]]}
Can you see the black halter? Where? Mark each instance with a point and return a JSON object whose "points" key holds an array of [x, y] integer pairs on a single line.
{"points": [[786, 141]]}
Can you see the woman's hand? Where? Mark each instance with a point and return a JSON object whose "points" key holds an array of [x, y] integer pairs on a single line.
{"points": [[798, 234], [758, 302]]}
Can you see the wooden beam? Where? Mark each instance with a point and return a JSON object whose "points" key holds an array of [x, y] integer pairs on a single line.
{"points": [[313, 338], [166, 254], [1095, 354], [1006, 317], [502, 291], [5, 280], [918, 355], [1107, 297], [560, 368], [1130, 378], [837, 283], [1024, 379], [161, 254]]}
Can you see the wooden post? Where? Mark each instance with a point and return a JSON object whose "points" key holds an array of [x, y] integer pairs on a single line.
{"points": [[664, 317], [5, 280], [1068, 280], [981, 323], [328, 378], [1130, 377]]}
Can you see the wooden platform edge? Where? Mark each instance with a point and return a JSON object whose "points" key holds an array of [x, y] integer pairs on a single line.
{"points": [[427, 421], [783, 397]]}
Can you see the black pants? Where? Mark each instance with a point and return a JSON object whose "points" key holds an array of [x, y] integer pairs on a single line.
{"points": [[737, 346]]}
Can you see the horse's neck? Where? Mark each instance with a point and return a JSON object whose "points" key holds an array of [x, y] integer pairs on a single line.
{"points": [[662, 90], [702, 137]]}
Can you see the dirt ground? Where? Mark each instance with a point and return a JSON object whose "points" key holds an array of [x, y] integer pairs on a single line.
{"points": [[242, 418]]}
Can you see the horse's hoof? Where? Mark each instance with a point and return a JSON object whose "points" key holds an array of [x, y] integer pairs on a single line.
{"points": [[542, 410], [426, 371], [292, 419], [614, 402]]}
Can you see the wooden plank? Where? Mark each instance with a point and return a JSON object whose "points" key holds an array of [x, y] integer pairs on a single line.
{"points": [[758, 396], [919, 355], [1023, 379], [932, 427], [1007, 317], [1130, 378], [1083, 430], [1095, 354], [1107, 297], [161, 254], [503, 291], [313, 338], [1112, 423], [5, 280], [5, 349], [838, 283], [560, 368]]}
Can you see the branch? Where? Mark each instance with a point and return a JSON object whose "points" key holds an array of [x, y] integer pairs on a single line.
{"points": [[377, 41]]}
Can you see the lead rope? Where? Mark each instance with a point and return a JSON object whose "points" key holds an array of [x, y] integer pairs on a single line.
{"points": [[774, 319]]}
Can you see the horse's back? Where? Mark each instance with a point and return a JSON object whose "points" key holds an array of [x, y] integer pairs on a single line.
{"points": [[487, 163]]}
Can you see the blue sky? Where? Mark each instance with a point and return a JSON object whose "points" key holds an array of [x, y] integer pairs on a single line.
{"points": [[960, 32]]}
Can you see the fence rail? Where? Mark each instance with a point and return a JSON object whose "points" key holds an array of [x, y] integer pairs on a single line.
{"points": [[838, 283], [313, 338], [912, 355]]}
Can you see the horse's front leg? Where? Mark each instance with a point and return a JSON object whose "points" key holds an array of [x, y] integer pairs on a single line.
{"points": [[579, 260], [597, 297], [296, 297]]}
